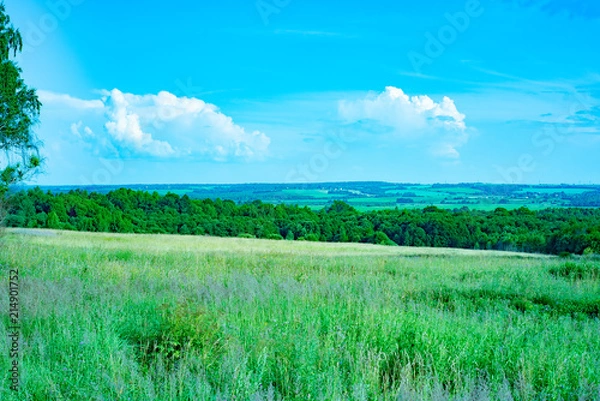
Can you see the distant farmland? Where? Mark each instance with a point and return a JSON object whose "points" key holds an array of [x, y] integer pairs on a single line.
{"points": [[380, 195]]}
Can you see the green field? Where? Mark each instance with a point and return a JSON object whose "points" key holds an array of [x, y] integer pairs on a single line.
{"points": [[157, 317], [366, 196]]}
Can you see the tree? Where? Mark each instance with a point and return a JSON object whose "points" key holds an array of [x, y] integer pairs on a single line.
{"points": [[382, 239], [19, 112], [290, 235], [53, 221]]}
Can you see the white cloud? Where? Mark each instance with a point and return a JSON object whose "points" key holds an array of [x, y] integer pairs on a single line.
{"points": [[161, 126], [68, 101], [76, 130], [411, 117], [445, 150], [124, 124]]}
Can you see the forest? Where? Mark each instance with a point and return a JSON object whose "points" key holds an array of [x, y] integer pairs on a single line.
{"points": [[550, 231], [372, 195]]}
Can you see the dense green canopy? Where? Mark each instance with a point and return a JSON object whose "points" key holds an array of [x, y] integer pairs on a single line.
{"points": [[19, 111], [573, 230]]}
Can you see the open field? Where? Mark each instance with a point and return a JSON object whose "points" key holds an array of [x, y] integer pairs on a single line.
{"points": [[158, 317]]}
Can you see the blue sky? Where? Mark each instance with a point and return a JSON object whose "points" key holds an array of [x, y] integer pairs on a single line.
{"points": [[304, 90]]}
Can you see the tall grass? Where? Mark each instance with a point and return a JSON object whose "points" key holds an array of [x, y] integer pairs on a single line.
{"points": [[116, 317]]}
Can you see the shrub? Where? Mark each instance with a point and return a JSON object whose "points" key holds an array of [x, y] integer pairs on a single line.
{"points": [[576, 271], [312, 237], [382, 239], [169, 332]]}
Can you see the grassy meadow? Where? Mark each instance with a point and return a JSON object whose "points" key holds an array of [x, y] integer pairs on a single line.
{"points": [[158, 317]]}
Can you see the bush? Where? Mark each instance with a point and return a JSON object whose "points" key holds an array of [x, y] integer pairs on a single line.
{"points": [[169, 332], [576, 271], [244, 235], [274, 236], [382, 239], [312, 237]]}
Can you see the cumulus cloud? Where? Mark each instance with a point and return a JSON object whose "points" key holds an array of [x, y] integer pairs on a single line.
{"points": [[410, 117], [124, 123], [68, 101], [163, 126]]}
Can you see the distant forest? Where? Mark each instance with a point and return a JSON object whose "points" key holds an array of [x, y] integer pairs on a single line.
{"points": [[552, 231]]}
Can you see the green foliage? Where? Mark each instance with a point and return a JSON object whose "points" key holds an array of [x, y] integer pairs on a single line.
{"points": [[576, 271], [312, 237], [19, 112], [382, 239], [167, 332], [53, 221], [552, 231]]}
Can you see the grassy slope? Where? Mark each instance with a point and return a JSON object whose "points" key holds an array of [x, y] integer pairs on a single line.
{"points": [[142, 317]]}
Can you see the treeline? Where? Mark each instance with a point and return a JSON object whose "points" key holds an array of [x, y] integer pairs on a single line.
{"points": [[551, 231]]}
